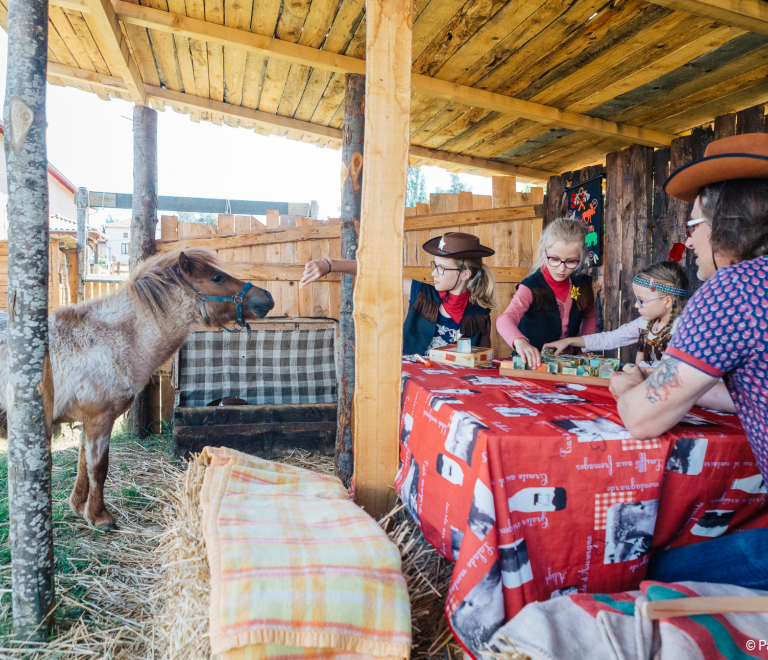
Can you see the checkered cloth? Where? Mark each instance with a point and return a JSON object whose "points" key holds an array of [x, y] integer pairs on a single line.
{"points": [[272, 367], [633, 444], [604, 501]]}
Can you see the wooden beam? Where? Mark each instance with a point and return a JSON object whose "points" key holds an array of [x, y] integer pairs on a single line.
{"points": [[751, 15], [110, 36], [267, 237], [468, 218], [147, 17], [270, 272], [90, 77], [72, 5], [484, 166], [378, 289]]}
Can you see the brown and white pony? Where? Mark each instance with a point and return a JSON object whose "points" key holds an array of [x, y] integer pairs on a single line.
{"points": [[104, 351]]}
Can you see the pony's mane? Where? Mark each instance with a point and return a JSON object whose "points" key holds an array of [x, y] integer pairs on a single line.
{"points": [[150, 281]]}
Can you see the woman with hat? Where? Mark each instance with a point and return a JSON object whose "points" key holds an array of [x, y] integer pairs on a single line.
{"points": [[723, 333], [459, 302]]}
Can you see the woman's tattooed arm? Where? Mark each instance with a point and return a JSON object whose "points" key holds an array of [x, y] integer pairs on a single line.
{"points": [[664, 379]]}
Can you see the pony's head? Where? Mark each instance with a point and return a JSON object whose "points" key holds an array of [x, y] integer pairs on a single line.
{"points": [[196, 270]]}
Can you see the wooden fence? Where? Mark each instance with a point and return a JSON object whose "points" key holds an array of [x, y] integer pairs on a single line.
{"points": [[641, 221]]}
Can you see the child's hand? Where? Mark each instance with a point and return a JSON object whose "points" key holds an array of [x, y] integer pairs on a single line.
{"points": [[314, 270], [560, 345], [529, 353]]}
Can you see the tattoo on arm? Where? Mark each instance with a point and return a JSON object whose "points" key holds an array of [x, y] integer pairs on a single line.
{"points": [[663, 380]]}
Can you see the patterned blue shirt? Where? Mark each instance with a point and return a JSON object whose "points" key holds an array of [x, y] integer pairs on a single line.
{"points": [[723, 331]]}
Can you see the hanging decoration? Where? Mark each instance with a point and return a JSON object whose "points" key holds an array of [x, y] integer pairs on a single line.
{"points": [[585, 203]]}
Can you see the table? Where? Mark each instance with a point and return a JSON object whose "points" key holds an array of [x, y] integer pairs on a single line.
{"points": [[536, 490]]}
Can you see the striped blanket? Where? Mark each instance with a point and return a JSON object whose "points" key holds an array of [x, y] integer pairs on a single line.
{"points": [[297, 570]]}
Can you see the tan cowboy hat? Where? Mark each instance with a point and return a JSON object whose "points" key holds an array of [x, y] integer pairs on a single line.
{"points": [[736, 157], [457, 245]]}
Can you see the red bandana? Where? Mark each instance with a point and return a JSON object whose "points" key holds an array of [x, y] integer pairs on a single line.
{"points": [[455, 305], [561, 289]]}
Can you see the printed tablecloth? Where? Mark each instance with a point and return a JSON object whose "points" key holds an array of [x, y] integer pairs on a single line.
{"points": [[536, 490]]}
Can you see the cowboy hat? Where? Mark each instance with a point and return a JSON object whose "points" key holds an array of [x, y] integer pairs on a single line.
{"points": [[457, 245], [736, 157]]}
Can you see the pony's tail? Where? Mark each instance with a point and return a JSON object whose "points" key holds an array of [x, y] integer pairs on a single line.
{"points": [[482, 288]]}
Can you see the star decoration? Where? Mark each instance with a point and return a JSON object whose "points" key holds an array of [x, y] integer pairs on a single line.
{"points": [[574, 292]]}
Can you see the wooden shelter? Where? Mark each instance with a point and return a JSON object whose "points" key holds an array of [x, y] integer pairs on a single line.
{"points": [[538, 91]]}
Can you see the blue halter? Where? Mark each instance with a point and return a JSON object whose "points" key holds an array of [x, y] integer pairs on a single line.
{"points": [[240, 325]]}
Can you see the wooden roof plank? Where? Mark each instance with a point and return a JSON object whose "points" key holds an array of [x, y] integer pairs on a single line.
{"points": [[237, 14], [659, 67], [112, 38], [77, 21], [59, 46], [430, 21], [456, 31], [750, 15], [183, 51], [214, 15], [513, 134], [61, 22], [705, 72]]}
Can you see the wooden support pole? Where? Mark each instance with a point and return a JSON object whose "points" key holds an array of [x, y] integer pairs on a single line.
{"points": [[143, 224], [29, 389], [378, 290], [82, 241], [351, 197]]}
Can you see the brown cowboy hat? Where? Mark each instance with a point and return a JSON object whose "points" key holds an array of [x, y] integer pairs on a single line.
{"points": [[457, 245], [736, 157]]}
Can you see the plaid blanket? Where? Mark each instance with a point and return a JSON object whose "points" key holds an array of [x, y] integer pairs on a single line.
{"points": [[297, 569], [296, 365]]}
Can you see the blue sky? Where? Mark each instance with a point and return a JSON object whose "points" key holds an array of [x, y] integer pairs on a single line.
{"points": [[90, 141]]}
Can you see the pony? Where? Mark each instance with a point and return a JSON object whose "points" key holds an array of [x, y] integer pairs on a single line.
{"points": [[104, 351]]}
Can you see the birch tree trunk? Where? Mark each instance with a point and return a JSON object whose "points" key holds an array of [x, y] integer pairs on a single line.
{"points": [[30, 386], [351, 196], [143, 225]]}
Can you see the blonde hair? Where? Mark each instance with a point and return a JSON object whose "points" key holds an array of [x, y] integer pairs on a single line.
{"points": [[565, 230], [481, 284]]}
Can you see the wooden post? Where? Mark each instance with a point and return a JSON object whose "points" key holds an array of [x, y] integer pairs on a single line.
{"points": [[351, 197], [30, 383], [143, 225], [378, 290], [82, 241]]}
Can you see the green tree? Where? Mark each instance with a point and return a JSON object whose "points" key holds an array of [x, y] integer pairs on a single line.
{"points": [[201, 218], [457, 185], [416, 187]]}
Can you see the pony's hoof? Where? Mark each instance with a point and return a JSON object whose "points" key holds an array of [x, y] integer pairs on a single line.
{"points": [[106, 527], [105, 522]]}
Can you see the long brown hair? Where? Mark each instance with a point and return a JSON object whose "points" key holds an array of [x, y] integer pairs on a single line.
{"points": [[670, 273], [737, 212], [482, 283]]}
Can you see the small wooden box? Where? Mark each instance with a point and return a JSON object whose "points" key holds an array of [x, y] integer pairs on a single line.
{"points": [[449, 354]]}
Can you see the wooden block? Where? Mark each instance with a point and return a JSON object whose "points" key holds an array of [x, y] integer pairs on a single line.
{"points": [[290, 292], [562, 378], [304, 255]]}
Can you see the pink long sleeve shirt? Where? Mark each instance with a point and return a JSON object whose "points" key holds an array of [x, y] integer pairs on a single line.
{"points": [[507, 323]]}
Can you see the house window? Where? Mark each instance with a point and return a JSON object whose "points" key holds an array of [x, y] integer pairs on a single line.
{"points": [[124, 248], [125, 234]]}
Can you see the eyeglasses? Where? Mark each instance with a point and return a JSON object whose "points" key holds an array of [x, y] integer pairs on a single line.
{"points": [[441, 269], [555, 262], [640, 302], [693, 223]]}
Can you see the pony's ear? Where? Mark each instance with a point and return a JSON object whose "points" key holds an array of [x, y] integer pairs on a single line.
{"points": [[185, 264]]}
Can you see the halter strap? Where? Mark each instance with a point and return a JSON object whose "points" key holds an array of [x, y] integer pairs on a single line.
{"points": [[240, 324]]}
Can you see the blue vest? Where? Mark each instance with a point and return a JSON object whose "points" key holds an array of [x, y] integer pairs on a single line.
{"points": [[541, 324], [423, 313]]}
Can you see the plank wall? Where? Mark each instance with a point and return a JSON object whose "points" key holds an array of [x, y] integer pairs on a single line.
{"points": [[276, 266], [515, 243]]}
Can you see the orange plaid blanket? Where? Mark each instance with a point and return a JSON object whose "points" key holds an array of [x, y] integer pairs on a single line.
{"points": [[298, 571]]}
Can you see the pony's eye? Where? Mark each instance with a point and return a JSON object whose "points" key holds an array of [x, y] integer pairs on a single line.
{"points": [[218, 279]]}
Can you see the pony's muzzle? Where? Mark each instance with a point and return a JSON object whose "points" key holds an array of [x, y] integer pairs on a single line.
{"points": [[259, 302]]}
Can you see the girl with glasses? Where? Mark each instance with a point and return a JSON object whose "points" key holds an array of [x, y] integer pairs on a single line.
{"points": [[458, 302], [555, 301], [660, 292]]}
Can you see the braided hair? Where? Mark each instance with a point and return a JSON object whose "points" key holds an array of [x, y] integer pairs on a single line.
{"points": [[671, 274]]}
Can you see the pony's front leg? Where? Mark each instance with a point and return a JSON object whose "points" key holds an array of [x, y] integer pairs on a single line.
{"points": [[79, 497], [97, 433]]}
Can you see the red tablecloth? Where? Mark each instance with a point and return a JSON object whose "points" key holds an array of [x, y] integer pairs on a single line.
{"points": [[535, 489]]}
